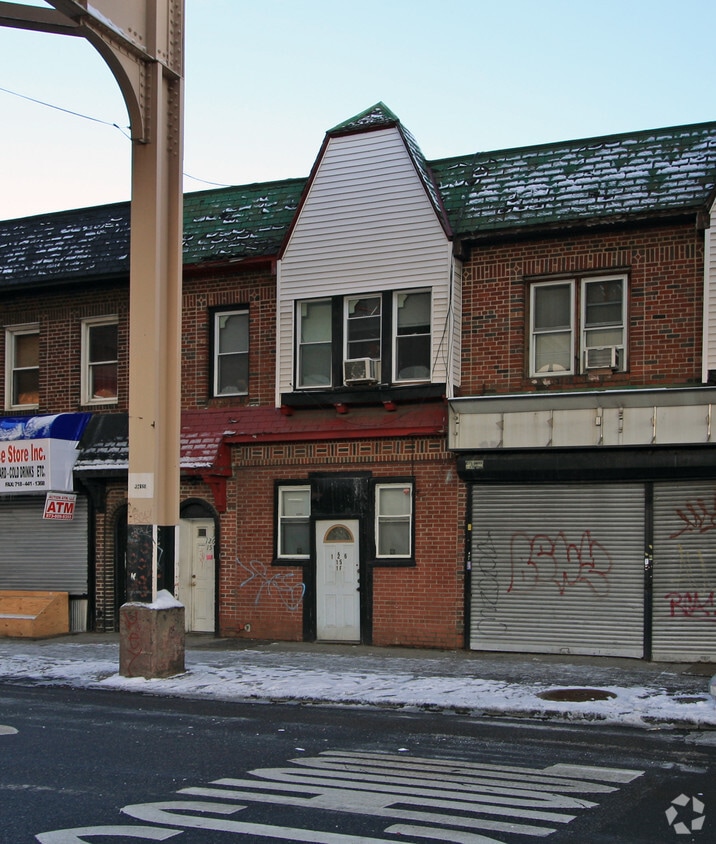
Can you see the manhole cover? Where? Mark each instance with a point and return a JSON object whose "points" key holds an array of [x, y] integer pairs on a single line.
{"points": [[576, 695]]}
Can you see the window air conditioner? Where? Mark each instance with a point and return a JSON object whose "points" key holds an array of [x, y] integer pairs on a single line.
{"points": [[601, 357], [359, 371]]}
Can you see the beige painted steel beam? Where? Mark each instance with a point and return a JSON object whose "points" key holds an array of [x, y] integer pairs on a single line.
{"points": [[142, 41], [35, 18]]}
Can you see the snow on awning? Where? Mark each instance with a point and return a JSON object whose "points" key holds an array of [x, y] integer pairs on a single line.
{"points": [[38, 453]]}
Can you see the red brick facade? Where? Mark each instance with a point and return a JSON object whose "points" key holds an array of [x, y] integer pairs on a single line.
{"points": [[59, 313], [419, 605], [664, 268], [202, 296]]}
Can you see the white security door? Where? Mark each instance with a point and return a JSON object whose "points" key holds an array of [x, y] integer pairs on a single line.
{"points": [[337, 583], [197, 574]]}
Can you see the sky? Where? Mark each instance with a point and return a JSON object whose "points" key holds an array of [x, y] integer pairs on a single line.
{"points": [[265, 80]]}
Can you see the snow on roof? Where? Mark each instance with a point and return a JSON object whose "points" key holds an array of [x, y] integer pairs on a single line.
{"points": [[640, 175]]}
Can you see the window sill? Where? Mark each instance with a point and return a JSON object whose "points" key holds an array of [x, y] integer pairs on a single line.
{"points": [[290, 561], [373, 394], [100, 402], [392, 562], [22, 408]]}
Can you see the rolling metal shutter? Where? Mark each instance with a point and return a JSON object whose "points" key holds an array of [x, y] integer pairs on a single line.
{"points": [[558, 569], [37, 553], [684, 574]]}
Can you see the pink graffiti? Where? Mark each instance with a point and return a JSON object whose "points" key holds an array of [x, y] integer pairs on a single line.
{"points": [[692, 605], [697, 517], [132, 627], [541, 559]]}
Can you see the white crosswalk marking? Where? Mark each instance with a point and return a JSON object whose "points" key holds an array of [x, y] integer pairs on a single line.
{"points": [[175, 812], [420, 798], [434, 834], [446, 800]]}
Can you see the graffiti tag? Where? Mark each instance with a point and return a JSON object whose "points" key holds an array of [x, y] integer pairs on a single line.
{"points": [[488, 587], [692, 605], [542, 559], [280, 584], [697, 517], [693, 573]]}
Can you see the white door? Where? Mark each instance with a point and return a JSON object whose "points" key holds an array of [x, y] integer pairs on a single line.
{"points": [[197, 574], [337, 583]]}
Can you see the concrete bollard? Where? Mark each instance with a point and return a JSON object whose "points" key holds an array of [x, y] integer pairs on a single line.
{"points": [[151, 638]]}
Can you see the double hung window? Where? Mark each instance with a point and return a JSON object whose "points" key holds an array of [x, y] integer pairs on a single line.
{"points": [[412, 336], [231, 353], [603, 323], [552, 328], [294, 512], [22, 366], [315, 333], [393, 520], [363, 327], [577, 325], [99, 360]]}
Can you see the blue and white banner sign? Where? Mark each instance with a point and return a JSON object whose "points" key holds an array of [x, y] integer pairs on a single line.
{"points": [[38, 453]]}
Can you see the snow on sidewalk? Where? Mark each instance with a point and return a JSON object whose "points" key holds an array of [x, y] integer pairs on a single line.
{"points": [[399, 683]]}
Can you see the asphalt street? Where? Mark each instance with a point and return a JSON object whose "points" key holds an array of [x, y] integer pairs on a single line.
{"points": [[84, 765]]}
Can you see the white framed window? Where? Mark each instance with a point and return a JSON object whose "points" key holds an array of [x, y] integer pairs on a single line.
{"points": [[394, 520], [22, 366], [363, 327], [567, 335], [552, 328], [604, 323], [293, 529], [231, 353], [100, 370], [412, 335], [315, 339]]}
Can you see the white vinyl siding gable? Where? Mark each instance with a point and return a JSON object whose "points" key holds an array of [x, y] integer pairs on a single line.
{"points": [[367, 225]]}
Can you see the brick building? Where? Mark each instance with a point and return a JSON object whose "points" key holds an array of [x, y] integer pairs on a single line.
{"points": [[449, 403]]}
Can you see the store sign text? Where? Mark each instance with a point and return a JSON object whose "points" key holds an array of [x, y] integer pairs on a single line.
{"points": [[23, 467]]}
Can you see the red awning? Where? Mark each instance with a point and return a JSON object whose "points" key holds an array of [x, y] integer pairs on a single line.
{"points": [[270, 425]]}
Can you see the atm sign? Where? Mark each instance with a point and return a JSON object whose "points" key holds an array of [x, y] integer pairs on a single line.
{"points": [[60, 506]]}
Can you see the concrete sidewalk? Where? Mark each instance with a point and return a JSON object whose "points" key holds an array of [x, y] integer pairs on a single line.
{"points": [[567, 688]]}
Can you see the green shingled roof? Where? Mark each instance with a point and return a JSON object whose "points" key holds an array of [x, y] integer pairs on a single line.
{"points": [[637, 176], [633, 176], [237, 223], [372, 118], [242, 222], [87, 243]]}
